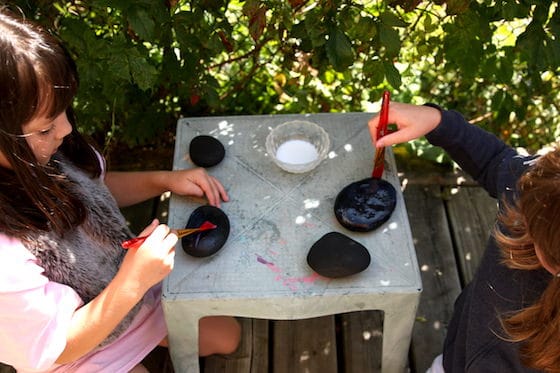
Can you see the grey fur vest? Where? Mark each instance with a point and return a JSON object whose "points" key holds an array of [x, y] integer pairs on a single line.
{"points": [[88, 257]]}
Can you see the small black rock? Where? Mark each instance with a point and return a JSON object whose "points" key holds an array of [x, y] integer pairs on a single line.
{"points": [[208, 242], [336, 255], [366, 204], [206, 151]]}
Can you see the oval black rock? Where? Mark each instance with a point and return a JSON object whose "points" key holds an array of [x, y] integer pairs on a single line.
{"points": [[336, 255], [206, 151], [366, 204], [208, 242]]}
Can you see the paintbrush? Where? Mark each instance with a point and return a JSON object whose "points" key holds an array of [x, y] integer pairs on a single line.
{"points": [[379, 161], [137, 241]]}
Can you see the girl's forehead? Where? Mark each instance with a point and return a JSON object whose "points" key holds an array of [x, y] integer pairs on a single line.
{"points": [[51, 102], [41, 118]]}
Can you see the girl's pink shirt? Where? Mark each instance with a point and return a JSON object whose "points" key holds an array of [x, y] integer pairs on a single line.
{"points": [[35, 315]]}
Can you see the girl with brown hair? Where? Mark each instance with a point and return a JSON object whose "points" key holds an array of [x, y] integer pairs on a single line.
{"points": [[507, 319], [71, 299]]}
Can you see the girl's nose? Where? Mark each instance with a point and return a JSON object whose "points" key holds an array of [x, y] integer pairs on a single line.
{"points": [[63, 126]]}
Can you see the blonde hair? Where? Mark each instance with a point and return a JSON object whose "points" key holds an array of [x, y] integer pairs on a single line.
{"points": [[533, 220]]}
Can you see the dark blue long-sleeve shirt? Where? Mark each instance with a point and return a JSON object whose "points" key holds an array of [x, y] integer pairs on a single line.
{"points": [[475, 341]]}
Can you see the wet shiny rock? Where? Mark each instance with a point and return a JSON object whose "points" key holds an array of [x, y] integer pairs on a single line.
{"points": [[206, 243], [364, 205]]}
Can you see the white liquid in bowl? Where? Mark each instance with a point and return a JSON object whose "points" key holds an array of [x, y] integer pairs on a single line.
{"points": [[297, 152]]}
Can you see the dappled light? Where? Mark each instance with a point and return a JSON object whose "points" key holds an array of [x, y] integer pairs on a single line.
{"points": [[226, 130], [390, 227], [300, 220], [311, 203]]}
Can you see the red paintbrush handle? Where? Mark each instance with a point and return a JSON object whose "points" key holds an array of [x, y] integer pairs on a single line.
{"points": [[133, 242], [383, 115], [137, 241], [379, 162]]}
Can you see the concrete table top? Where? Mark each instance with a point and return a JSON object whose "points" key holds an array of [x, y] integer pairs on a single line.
{"points": [[275, 218]]}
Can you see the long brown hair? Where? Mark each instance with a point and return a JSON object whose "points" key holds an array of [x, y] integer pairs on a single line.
{"points": [[37, 77], [533, 220]]}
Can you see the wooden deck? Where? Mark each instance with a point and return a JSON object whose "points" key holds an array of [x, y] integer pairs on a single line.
{"points": [[450, 220]]}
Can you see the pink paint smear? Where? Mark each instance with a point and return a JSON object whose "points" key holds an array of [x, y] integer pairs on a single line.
{"points": [[290, 282]]}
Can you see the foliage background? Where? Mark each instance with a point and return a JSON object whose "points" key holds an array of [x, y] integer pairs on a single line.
{"points": [[145, 63]]}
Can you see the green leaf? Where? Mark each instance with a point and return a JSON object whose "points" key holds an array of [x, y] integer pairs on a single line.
{"points": [[554, 23], [390, 19], [374, 72], [339, 50], [392, 74], [298, 30], [211, 96], [429, 25], [315, 29], [512, 10], [531, 45], [463, 48], [457, 6], [389, 38], [142, 72], [142, 23], [366, 29], [118, 68]]}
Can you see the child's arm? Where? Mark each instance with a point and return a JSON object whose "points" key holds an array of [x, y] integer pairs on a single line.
{"points": [[478, 152], [141, 269], [129, 188]]}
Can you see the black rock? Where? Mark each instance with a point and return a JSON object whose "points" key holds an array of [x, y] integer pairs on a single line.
{"points": [[366, 204], [336, 255], [208, 242], [206, 151]]}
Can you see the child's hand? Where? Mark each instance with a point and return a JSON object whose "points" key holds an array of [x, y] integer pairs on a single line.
{"points": [[412, 122], [197, 182], [153, 260]]}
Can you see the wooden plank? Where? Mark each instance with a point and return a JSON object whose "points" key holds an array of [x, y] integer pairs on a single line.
{"points": [[472, 213], [259, 358], [302, 346], [250, 357], [425, 177], [440, 278], [158, 360], [362, 341]]}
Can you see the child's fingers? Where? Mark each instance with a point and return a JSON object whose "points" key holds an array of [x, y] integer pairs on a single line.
{"points": [[372, 125], [222, 194], [150, 228]]}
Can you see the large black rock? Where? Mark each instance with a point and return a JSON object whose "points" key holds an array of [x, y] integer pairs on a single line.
{"points": [[366, 204], [206, 151], [206, 243], [336, 255]]}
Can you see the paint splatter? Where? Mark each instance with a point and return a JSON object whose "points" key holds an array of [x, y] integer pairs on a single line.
{"points": [[290, 282], [270, 265]]}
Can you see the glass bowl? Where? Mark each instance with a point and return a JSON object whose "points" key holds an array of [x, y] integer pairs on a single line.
{"points": [[297, 146]]}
